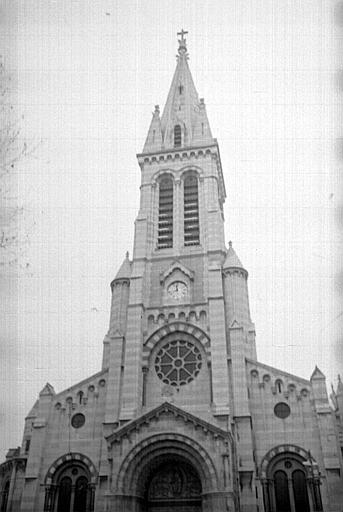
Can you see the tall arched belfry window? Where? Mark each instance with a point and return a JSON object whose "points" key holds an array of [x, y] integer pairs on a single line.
{"points": [[177, 136], [165, 214], [191, 211]]}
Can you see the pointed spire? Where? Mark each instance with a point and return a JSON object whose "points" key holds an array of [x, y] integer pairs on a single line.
{"points": [[232, 260], [183, 109], [124, 271], [154, 138]]}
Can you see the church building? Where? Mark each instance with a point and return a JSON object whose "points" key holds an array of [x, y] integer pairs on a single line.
{"points": [[182, 417]]}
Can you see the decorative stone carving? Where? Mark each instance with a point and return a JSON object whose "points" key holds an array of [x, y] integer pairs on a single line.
{"points": [[174, 482]]}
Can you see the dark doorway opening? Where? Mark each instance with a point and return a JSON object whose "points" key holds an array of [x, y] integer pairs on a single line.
{"points": [[173, 485]]}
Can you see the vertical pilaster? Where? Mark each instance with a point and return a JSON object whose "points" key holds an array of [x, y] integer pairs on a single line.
{"points": [[116, 361], [220, 379], [132, 381]]}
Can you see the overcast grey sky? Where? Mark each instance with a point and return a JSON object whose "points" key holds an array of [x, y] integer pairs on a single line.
{"points": [[88, 74]]}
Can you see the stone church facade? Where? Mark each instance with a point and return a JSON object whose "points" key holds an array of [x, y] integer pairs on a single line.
{"points": [[182, 416]]}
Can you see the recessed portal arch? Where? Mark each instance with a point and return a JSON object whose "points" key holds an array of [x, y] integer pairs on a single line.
{"points": [[166, 468]]}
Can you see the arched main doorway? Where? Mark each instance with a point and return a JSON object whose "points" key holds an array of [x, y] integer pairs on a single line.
{"points": [[167, 472], [172, 485]]}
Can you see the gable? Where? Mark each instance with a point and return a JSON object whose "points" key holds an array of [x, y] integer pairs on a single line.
{"points": [[172, 414]]}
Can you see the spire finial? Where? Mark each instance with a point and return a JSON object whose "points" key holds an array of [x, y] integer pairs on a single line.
{"points": [[182, 42]]}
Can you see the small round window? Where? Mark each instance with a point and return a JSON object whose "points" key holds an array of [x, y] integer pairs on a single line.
{"points": [[78, 420], [282, 410], [178, 363]]}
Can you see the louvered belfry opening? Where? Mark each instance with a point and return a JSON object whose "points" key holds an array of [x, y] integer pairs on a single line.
{"points": [[191, 211], [165, 214], [177, 136]]}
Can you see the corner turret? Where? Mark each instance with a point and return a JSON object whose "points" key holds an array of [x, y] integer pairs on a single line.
{"points": [[237, 308], [120, 288]]}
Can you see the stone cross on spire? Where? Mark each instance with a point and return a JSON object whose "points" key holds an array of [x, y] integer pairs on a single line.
{"points": [[182, 33], [182, 42]]}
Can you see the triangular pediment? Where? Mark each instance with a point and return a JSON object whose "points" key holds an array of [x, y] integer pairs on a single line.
{"points": [[174, 267], [170, 410]]}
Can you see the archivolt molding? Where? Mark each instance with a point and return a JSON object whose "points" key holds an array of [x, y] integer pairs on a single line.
{"points": [[191, 169], [169, 445], [184, 328], [280, 450], [70, 458], [162, 173]]}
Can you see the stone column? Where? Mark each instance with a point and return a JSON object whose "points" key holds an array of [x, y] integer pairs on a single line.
{"points": [[266, 496]]}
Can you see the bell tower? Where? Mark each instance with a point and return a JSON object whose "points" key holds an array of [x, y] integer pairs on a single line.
{"points": [[168, 336]]}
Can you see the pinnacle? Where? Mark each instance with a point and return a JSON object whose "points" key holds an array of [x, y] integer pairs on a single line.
{"points": [[124, 271], [317, 374], [232, 260], [47, 390]]}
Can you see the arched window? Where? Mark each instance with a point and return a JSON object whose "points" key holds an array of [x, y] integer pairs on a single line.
{"points": [[279, 386], [64, 494], [71, 490], [165, 214], [300, 491], [281, 492], [288, 485], [191, 211], [177, 136], [80, 501], [4, 499]]}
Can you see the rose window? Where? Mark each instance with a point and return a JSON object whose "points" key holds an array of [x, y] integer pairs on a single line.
{"points": [[178, 362]]}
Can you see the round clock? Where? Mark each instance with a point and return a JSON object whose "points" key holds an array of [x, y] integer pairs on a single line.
{"points": [[177, 290]]}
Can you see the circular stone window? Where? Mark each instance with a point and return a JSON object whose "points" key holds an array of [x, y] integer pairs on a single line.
{"points": [[78, 420], [178, 363], [282, 410]]}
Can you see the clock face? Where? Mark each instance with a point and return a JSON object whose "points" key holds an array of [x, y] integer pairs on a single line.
{"points": [[177, 290]]}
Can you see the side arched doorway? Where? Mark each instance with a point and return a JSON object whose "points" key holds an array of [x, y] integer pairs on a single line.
{"points": [[290, 480], [70, 485], [171, 485]]}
